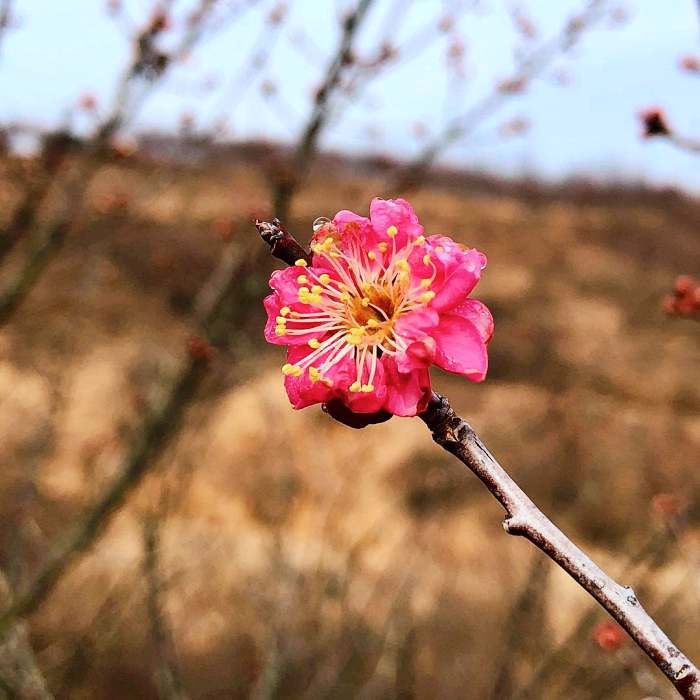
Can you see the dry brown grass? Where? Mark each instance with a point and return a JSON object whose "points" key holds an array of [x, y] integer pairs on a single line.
{"points": [[301, 558]]}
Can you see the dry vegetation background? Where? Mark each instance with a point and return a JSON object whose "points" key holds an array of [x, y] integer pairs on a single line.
{"points": [[277, 554], [272, 554]]}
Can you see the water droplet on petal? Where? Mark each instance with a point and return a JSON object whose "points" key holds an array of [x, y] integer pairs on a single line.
{"points": [[320, 222]]}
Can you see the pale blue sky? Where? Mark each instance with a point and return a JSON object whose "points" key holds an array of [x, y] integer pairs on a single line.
{"points": [[62, 49]]}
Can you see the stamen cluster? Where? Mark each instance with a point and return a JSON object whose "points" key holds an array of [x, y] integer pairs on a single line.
{"points": [[379, 303]]}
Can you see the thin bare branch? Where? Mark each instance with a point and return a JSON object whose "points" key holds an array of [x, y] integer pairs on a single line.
{"points": [[525, 519], [214, 317], [285, 188], [529, 67], [20, 676], [527, 613], [5, 18], [146, 68], [170, 685], [640, 566], [685, 143]]}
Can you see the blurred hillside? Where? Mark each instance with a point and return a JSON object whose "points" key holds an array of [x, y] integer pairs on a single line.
{"points": [[299, 558]]}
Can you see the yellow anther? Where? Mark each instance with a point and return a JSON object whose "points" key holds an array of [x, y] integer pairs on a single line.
{"points": [[316, 248], [426, 259], [329, 241], [301, 263], [281, 321], [420, 240], [314, 343], [372, 255], [357, 330], [280, 330], [284, 311], [326, 381], [302, 279], [392, 231], [427, 296], [425, 282], [293, 370], [383, 247], [303, 291], [402, 265], [314, 374], [365, 301], [373, 323], [353, 339], [333, 254], [344, 297], [316, 289], [324, 278], [439, 249], [355, 387], [367, 388]]}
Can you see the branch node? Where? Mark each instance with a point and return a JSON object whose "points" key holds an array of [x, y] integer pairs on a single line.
{"points": [[514, 526]]}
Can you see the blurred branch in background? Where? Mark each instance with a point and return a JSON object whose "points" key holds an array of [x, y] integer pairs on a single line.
{"points": [[215, 318], [169, 681], [6, 19], [286, 184], [146, 68], [684, 301], [528, 613], [655, 124], [529, 67], [20, 677], [260, 55]]}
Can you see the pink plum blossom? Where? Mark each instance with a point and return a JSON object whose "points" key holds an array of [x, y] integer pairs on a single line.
{"points": [[378, 305]]}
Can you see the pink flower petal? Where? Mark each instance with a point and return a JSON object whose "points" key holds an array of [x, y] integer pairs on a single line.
{"points": [[460, 348], [408, 393], [303, 392], [385, 213], [272, 306], [476, 311]]}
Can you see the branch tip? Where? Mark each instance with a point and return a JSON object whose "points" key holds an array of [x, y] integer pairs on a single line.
{"points": [[282, 244]]}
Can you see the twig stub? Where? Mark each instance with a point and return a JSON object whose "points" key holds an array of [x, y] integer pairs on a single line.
{"points": [[282, 244]]}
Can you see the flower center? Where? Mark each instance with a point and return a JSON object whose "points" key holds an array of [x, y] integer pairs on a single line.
{"points": [[356, 307]]}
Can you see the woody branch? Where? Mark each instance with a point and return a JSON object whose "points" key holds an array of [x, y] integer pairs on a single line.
{"points": [[524, 518]]}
